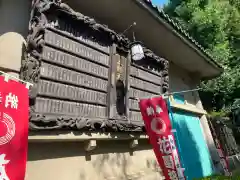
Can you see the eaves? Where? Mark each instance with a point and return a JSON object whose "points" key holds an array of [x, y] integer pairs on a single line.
{"points": [[178, 31]]}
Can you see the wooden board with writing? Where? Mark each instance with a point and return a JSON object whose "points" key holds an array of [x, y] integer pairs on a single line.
{"points": [[145, 81], [74, 76]]}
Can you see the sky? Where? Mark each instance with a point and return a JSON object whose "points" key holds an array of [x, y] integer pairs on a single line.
{"points": [[159, 2]]}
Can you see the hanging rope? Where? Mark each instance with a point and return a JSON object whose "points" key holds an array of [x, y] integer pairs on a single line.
{"points": [[166, 96]]}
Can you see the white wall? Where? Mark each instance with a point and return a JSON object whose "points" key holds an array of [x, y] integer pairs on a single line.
{"points": [[112, 160], [180, 80]]}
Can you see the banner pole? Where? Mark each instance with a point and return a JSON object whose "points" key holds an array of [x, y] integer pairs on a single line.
{"points": [[6, 78]]}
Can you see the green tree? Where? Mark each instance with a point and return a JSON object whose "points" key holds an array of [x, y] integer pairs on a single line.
{"points": [[215, 24]]}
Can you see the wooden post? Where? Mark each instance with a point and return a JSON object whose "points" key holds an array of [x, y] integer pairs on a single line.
{"points": [[112, 82], [127, 87]]}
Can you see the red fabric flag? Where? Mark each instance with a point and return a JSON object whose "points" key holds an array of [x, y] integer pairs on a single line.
{"points": [[158, 126], [13, 129], [223, 158]]}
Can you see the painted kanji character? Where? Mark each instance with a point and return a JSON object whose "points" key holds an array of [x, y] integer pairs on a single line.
{"points": [[158, 109], [180, 173], [150, 111], [228, 173], [223, 162], [220, 153], [165, 146], [3, 162], [12, 100], [172, 175], [172, 143], [168, 161], [176, 159], [217, 143]]}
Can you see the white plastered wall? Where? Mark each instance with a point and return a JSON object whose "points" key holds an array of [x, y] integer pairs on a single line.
{"points": [[181, 80], [111, 160]]}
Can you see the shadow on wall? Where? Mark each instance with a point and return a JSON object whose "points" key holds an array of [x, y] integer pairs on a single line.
{"points": [[194, 156], [110, 159], [62, 149], [124, 163]]}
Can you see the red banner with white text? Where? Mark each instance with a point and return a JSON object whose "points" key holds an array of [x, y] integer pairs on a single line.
{"points": [[13, 129], [158, 126], [223, 158]]}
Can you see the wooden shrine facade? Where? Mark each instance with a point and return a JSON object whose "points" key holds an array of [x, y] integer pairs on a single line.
{"points": [[83, 75]]}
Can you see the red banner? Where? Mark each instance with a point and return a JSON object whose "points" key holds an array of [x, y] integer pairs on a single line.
{"points": [[158, 126], [13, 129], [223, 158]]}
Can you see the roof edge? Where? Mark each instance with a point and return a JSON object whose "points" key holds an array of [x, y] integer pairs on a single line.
{"points": [[164, 19]]}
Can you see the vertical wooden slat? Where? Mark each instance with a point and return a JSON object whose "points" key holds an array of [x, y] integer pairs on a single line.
{"points": [[112, 82], [127, 87], [161, 83]]}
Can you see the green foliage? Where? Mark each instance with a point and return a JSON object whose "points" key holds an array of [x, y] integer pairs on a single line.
{"points": [[218, 177], [235, 176], [218, 114], [236, 104], [215, 24]]}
